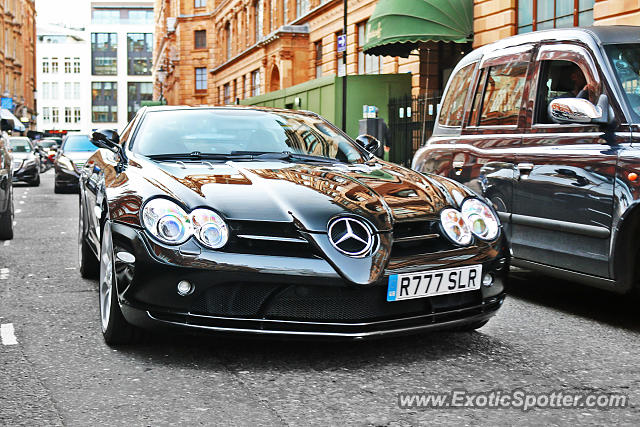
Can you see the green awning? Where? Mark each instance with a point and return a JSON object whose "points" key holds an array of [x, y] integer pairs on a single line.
{"points": [[399, 26]]}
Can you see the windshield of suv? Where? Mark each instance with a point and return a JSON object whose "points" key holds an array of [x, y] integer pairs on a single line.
{"points": [[20, 145], [625, 59], [78, 143], [232, 131]]}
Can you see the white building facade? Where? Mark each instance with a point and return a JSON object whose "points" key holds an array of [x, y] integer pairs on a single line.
{"points": [[120, 52], [62, 75]]}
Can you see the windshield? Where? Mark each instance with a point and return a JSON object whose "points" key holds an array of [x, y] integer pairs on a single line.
{"points": [[625, 59], [48, 143], [225, 132], [20, 145], [78, 143]]}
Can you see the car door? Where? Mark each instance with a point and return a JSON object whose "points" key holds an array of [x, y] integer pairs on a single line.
{"points": [[484, 154], [563, 195]]}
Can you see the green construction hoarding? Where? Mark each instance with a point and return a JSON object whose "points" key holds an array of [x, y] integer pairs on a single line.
{"points": [[324, 96]]}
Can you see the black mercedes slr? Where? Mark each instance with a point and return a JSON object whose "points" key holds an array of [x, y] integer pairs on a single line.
{"points": [[264, 221]]}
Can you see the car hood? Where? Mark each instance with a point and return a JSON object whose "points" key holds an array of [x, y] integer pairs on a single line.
{"points": [[78, 156], [310, 195], [22, 156]]}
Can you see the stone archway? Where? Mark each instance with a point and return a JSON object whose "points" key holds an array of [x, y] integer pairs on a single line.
{"points": [[274, 80]]}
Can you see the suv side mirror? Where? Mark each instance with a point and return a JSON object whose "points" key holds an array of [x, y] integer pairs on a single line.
{"points": [[369, 143], [578, 110], [106, 138]]}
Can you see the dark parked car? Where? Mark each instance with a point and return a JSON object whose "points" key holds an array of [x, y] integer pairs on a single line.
{"points": [[69, 160], [266, 221], [6, 183], [26, 160], [547, 126]]}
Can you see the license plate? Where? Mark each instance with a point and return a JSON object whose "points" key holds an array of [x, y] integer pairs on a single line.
{"points": [[424, 284]]}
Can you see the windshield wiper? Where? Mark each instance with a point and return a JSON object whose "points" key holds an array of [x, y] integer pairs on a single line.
{"points": [[197, 155], [285, 155]]}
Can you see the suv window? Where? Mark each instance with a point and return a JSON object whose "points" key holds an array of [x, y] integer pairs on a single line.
{"points": [[502, 97], [560, 79], [453, 104]]}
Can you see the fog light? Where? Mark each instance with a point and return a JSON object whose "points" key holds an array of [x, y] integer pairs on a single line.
{"points": [[487, 280], [185, 288]]}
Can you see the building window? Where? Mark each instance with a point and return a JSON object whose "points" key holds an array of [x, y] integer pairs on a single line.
{"points": [[130, 16], [67, 65], [285, 11], [139, 53], [302, 7], [105, 16], [227, 94], [76, 114], [104, 52], [367, 64], [54, 65], [54, 90], [137, 92], [258, 7], [255, 83], [67, 114], [55, 115], [199, 3], [76, 65], [544, 14], [46, 90], [46, 114], [45, 65], [200, 39], [227, 36], [201, 79], [67, 90], [318, 50], [104, 102], [76, 90]]}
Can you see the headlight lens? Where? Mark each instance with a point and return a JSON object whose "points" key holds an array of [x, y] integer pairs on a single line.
{"points": [[170, 224], [210, 228], [166, 221], [480, 218], [455, 226], [65, 162]]}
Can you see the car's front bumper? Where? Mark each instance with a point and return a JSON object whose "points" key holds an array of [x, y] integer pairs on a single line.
{"points": [[26, 173], [65, 178], [276, 295]]}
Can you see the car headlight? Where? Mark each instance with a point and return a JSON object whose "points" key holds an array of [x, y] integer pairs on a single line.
{"points": [[481, 219], [65, 163], [166, 221], [209, 228], [30, 162], [16, 164], [455, 226]]}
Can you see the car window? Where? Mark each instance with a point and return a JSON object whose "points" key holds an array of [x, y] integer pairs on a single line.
{"points": [[19, 145], [453, 105], [224, 131], [502, 96], [78, 143], [561, 79], [625, 59]]}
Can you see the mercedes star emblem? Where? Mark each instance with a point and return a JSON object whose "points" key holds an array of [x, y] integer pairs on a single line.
{"points": [[350, 236]]}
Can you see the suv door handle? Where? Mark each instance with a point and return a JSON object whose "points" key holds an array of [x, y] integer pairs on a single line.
{"points": [[525, 166]]}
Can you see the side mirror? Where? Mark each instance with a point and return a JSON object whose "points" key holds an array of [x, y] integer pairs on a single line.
{"points": [[578, 110], [106, 138], [369, 143], [6, 125]]}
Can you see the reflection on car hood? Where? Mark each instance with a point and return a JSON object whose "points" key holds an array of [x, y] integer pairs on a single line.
{"points": [[78, 156], [22, 156], [381, 192]]}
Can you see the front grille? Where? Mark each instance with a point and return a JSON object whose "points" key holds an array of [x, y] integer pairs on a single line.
{"points": [[417, 238], [268, 238], [318, 303]]}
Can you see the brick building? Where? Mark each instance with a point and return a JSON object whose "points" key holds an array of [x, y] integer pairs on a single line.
{"points": [[217, 51], [17, 58]]}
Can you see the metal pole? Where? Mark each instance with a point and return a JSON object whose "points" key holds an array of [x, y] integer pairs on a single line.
{"points": [[344, 78]]}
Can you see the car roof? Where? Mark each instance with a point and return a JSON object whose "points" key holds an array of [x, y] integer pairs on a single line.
{"points": [[229, 108]]}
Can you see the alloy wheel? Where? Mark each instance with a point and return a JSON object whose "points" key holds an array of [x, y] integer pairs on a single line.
{"points": [[106, 276]]}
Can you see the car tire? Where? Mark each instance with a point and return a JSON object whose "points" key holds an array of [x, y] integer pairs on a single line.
{"points": [[470, 327], [6, 220], [115, 329], [89, 266], [36, 181], [57, 189]]}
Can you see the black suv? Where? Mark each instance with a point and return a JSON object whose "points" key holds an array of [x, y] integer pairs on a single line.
{"points": [[547, 126]]}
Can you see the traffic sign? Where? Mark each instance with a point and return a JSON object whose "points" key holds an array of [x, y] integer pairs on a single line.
{"points": [[6, 103], [342, 43]]}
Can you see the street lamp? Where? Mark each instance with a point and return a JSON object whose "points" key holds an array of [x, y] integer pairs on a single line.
{"points": [[162, 75]]}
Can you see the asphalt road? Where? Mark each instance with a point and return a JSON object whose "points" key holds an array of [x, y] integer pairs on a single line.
{"points": [[550, 335]]}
